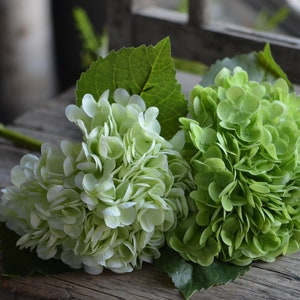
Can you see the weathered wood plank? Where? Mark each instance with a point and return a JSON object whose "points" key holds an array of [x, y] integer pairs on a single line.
{"points": [[48, 122], [263, 281]]}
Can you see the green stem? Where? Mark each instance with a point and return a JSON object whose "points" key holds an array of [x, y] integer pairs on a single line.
{"points": [[20, 139]]}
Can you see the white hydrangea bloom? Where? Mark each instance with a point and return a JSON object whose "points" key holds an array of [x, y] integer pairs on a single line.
{"points": [[106, 202]]}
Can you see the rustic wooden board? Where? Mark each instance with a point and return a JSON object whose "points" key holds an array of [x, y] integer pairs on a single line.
{"points": [[263, 281], [279, 280]]}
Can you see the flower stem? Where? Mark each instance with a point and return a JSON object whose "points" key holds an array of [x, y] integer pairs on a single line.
{"points": [[20, 139]]}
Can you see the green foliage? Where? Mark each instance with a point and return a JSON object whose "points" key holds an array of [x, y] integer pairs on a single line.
{"points": [[183, 6], [189, 277], [93, 45], [146, 71], [260, 66], [190, 66], [266, 61], [266, 21]]}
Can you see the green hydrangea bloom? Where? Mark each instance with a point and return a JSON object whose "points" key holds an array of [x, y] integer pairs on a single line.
{"points": [[106, 202], [244, 143]]}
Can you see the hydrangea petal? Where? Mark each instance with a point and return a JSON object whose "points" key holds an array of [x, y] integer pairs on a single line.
{"points": [[89, 105]]}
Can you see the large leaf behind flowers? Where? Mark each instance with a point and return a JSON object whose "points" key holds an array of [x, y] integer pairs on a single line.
{"points": [[145, 71], [189, 277], [260, 67]]}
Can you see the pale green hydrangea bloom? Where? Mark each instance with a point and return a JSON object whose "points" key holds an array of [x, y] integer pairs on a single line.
{"points": [[106, 202], [244, 138]]}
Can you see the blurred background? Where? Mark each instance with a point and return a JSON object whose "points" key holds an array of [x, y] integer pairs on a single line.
{"points": [[43, 43], [40, 50]]}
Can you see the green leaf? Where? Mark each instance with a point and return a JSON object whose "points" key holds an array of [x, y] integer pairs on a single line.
{"points": [[265, 58], [18, 262], [189, 277], [260, 67], [145, 71], [248, 62]]}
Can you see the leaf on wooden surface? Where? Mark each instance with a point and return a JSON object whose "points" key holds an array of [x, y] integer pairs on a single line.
{"points": [[18, 262], [145, 71], [189, 277]]}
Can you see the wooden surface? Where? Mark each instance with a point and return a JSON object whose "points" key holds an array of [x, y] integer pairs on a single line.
{"points": [[279, 280]]}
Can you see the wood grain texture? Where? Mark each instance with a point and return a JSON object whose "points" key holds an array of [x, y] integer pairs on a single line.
{"points": [[279, 280]]}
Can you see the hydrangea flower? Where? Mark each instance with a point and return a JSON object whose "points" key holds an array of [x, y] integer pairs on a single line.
{"points": [[106, 202], [244, 143]]}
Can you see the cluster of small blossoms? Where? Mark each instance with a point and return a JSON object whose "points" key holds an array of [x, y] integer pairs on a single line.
{"points": [[106, 202], [246, 166]]}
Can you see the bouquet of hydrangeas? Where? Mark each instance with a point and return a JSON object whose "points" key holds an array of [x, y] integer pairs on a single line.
{"points": [[217, 180]]}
